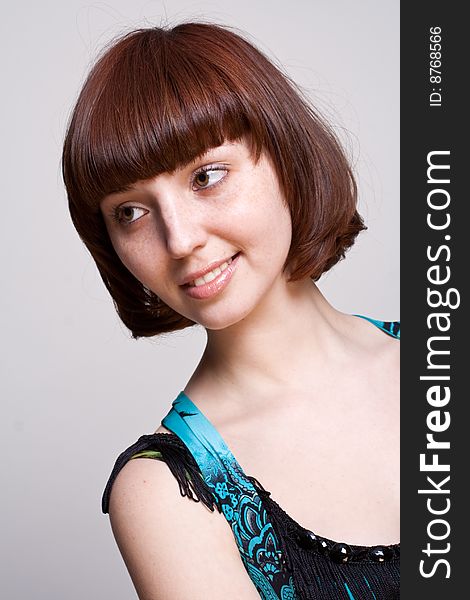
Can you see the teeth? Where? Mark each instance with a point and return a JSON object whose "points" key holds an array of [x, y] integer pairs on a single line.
{"points": [[211, 275]]}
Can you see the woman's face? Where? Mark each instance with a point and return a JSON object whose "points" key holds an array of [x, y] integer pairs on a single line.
{"points": [[210, 239]]}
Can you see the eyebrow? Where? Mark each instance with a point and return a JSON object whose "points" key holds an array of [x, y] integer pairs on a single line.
{"points": [[205, 154], [122, 190], [200, 157]]}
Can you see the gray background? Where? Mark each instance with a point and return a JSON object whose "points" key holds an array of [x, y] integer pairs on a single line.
{"points": [[76, 389]]}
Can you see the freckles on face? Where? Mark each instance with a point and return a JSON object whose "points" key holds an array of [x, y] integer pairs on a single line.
{"points": [[264, 217], [177, 230], [260, 227], [141, 255]]}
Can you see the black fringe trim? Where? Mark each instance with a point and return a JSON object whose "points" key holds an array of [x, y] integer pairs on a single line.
{"points": [[317, 576], [180, 462]]}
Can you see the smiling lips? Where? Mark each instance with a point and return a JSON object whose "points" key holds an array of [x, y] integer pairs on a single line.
{"points": [[210, 276], [212, 282]]}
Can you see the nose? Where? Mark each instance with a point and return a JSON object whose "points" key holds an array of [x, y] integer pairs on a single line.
{"points": [[183, 228]]}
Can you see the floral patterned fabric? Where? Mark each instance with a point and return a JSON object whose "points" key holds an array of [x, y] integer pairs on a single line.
{"points": [[237, 497]]}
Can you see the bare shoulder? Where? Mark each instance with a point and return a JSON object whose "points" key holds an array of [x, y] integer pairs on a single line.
{"points": [[173, 547], [369, 339]]}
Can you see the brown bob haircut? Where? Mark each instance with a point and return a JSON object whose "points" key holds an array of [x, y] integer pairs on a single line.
{"points": [[158, 98]]}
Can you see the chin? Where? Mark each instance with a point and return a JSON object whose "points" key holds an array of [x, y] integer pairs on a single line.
{"points": [[221, 319], [218, 324]]}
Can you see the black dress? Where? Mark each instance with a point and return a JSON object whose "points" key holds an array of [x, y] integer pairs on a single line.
{"points": [[284, 560]]}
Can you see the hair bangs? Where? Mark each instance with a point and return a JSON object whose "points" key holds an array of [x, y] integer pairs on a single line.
{"points": [[159, 98], [156, 110]]}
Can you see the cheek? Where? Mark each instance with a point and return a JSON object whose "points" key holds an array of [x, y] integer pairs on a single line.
{"points": [[136, 259], [272, 216], [270, 229]]}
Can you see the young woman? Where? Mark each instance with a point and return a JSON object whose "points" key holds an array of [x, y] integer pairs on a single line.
{"points": [[209, 192]]}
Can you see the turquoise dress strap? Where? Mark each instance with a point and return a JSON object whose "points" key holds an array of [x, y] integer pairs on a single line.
{"points": [[390, 327], [235, 494], [237, 498], [199, 435]]}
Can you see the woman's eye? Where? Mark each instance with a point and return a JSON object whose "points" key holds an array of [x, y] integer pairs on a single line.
{"points": [[208, 177], [129, 214]]}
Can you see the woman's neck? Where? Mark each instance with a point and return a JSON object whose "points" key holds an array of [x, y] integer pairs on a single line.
{"points": [[294, 334]]}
